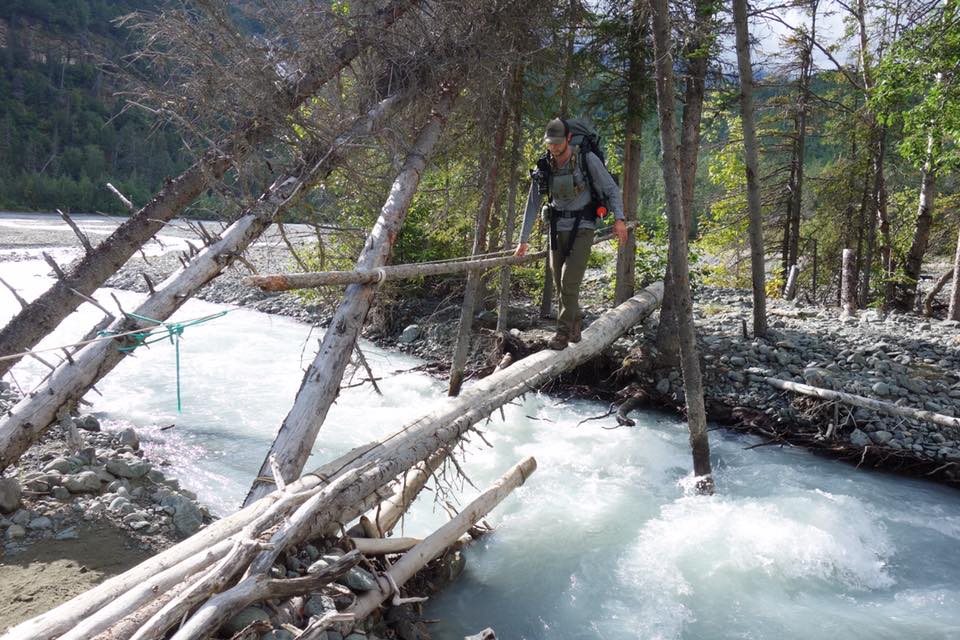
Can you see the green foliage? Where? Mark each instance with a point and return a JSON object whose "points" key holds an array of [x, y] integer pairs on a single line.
{"points": [[62, 136], [917, 88]]}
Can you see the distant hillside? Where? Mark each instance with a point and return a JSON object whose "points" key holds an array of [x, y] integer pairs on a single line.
{"points": [[61, 139]]}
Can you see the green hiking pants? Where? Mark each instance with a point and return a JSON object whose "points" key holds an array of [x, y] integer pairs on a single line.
{"points": [[568, 275]]}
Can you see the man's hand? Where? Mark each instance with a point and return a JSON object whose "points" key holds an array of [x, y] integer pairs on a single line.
{"points": [[521, 249], [620, 228]]}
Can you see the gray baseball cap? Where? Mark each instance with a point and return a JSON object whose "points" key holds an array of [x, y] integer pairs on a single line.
{"points": [[556, 132]]}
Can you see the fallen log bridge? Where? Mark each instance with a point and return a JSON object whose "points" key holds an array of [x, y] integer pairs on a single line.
{"points": [[316, 505]]}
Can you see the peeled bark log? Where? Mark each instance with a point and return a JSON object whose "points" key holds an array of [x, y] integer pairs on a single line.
{"points": [[43, 315], [34, 413], [867, 403], [437, 542], [289, 281], [321, 382]]}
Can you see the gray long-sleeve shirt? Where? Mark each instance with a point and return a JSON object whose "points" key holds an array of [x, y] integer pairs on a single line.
{"points": [[569, 191]]}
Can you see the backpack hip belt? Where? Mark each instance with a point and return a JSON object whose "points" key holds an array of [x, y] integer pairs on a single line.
{"points": [[587, 213]]}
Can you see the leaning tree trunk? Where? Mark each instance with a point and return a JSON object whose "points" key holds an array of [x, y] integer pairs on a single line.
{"points": [[677, 253], [472, 289], [627, 253], [907, 290], [698, 56], [74, 378], [752, 167], [321, 382], [43, 315]]}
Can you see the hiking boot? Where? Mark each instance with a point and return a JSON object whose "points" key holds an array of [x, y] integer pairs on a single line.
{"points": [[575, 332], [558, 342]]}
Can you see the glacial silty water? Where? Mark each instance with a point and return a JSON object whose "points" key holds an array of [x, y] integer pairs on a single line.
{"points": [[605, 540]]}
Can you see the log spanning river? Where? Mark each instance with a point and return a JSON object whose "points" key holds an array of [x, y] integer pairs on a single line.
{"points": [[605, 540]]}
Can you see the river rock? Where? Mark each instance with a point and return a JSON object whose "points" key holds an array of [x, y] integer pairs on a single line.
{"points": [[242, 620], [43, 522], [15, 532], [62, 465], [881, 437], [9, 495], [359, 580], [410, 334], [319, 604], [118, 504], [281, 634], [881, 389], [88, 423], [129, 438], [61, 493], [860, 439], [818, 377], [83, 482], [187, 518], [128, 466], [663, 386]]}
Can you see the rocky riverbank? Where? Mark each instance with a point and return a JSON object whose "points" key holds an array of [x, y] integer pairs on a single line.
{"points": [[77, 485], [899, 358]]}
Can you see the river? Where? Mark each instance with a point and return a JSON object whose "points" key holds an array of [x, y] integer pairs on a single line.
{"points": [[605, 540]]}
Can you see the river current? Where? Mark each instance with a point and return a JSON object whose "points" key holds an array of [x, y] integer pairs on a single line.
{"points": [[605, 540]]}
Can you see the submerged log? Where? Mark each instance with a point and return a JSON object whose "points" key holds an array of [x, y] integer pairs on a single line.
{"points": [[866, 403], [44, 313], [34, 413], [437, 542]]}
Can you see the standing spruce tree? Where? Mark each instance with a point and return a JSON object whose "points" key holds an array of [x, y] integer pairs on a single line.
{"points": [[752, 168]]}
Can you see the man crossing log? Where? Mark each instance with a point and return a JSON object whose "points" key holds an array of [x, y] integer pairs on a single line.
{"points": [[579, 191]]}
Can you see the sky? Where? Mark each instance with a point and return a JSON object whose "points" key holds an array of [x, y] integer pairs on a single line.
{"points": [[770, 33]]}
